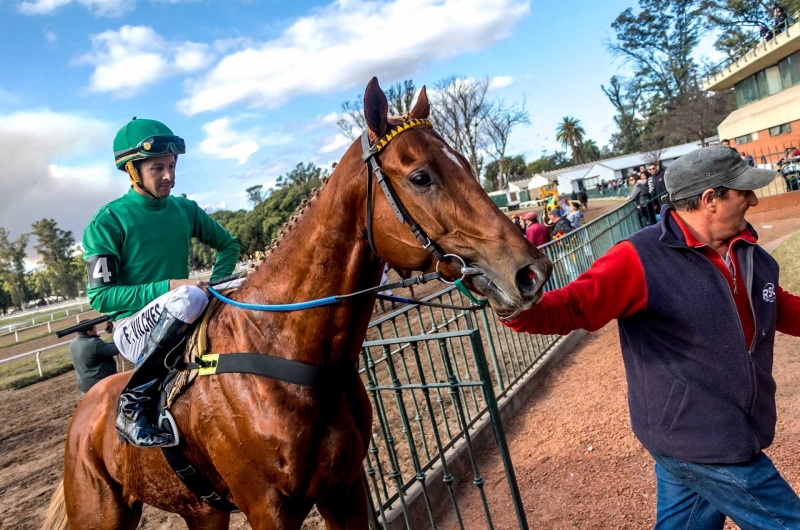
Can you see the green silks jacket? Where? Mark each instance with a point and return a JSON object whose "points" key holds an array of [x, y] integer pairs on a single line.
{"points": [[134, 245]]}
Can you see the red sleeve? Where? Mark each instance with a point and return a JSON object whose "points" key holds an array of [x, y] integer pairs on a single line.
{"points": [[788, 313], [613, 287]]}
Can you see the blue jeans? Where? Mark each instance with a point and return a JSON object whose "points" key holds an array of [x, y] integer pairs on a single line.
{"points": [[699, 496]]}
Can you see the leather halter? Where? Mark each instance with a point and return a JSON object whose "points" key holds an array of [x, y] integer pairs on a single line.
{"points": [[370, 157]]}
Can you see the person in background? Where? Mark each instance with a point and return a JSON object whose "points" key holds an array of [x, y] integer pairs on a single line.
{"points": [[727, 143], [536, 232], [583, 196], [748, 159], [640, 195], [575, 216], [657, 172], [92, 357], [518, 222], [561, 225]]}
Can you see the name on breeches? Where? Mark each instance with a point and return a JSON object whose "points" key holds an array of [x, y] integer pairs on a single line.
{"points": [[142, 325]]}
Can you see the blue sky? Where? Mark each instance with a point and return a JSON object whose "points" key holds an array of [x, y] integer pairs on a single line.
{"points": [[254, 86]]}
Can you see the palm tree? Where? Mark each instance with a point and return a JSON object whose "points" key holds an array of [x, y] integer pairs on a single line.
{"points": [[589, 151], [570, 134]]}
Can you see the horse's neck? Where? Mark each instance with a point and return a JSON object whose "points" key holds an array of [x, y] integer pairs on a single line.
{"points": [[324, 254]]}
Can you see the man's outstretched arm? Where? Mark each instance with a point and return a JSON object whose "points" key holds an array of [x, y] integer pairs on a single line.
{"points": [[613, 287]]}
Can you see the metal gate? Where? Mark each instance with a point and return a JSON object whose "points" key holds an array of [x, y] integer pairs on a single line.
{"points": [[438, 379]]}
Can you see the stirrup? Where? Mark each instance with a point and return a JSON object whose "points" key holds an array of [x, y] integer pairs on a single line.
{"points": [[167, 418]]}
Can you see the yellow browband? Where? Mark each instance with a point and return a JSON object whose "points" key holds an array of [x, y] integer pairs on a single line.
{"points": [[383, 142]]}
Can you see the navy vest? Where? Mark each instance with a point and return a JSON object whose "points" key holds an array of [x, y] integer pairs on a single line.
{"points": [[696, 391]]}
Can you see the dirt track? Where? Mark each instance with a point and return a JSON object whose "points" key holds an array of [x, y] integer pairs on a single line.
{"points": [[583, 404]]}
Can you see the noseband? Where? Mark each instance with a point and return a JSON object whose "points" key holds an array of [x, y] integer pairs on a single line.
{"points": [[370, 157]]}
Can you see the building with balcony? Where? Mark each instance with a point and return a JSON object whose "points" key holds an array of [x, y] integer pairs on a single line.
{"points": [[766, 82]]}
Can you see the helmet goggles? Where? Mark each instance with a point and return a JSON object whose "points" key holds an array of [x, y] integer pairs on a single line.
{"points": [[152, 146]]}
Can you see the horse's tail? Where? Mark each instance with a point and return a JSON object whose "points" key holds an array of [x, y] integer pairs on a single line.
{"points": [[56, 516]]}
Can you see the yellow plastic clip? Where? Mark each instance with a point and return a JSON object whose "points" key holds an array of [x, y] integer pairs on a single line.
{"points": [[210, 363]]}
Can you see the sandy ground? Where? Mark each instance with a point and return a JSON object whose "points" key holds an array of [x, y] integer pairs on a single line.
{"points": [[577, 463], [564, 484]]}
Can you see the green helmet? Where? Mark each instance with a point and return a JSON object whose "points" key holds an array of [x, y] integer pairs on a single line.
{"points": [[141, 138]]}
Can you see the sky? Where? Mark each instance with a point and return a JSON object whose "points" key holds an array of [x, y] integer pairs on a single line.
{"points": [[255, 87]]}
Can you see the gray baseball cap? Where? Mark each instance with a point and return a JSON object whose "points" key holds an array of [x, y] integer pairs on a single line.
{"points": [[710, 167]]}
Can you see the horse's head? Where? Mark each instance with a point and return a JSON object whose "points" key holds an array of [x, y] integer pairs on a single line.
{"points": [[435, 185]]}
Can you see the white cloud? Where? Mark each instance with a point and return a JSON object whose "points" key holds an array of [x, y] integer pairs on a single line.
{"points": [[33, 185], [345, 43], [211, 207], [224, 142], [337, 143], [102, 8], [333, 117], [134, 57], [501, 81], [50, 36]]}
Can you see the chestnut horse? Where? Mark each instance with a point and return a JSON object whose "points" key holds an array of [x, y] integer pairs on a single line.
{"points": [[272, 448]]}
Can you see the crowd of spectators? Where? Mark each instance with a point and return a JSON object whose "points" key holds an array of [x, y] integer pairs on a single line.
{"points": [[559, 218], [611, 188]]}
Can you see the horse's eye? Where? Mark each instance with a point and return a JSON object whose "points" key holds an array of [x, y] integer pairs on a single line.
{"points": [[422, 179]]}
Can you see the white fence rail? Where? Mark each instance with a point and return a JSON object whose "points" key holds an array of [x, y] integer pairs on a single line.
{"points": [[48, 323]]}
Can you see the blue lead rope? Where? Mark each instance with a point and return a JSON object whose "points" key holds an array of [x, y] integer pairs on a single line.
{"points": [[278, 307]]}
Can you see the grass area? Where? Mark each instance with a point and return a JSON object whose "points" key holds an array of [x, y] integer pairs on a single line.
{"points": [[42, 317], [23, 372], [28, 335], [788, 256]]}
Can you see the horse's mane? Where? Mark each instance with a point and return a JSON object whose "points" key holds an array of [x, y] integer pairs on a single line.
{"points": [[307, 202]]}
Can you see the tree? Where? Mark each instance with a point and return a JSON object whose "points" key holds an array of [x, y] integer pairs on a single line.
{"points": [[499, 122], [547, 163], [569, 133], [695, 116], [515, 168], [738, 22], [254, 195], [459, 107], [658, 44], [625, 96], [589, 151], [12, 267], [5, 299], [55, 247], [401, 97]]}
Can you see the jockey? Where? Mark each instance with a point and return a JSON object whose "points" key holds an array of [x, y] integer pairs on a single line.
{"points": [[136, 250]]}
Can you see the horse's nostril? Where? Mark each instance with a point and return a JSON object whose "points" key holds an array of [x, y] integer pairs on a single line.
{"points": [[526, 279]]}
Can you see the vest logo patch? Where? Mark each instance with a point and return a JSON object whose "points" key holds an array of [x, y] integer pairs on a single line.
{"points": [[769, 293]]}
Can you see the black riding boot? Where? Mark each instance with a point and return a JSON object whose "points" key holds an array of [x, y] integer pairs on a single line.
{"points": [[138, 418]]}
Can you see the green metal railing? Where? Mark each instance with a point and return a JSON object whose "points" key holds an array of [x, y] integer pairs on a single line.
{"points": [[434, 374]]}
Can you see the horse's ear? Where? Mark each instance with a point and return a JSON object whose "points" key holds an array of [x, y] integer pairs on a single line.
{"points": [[376, 108], [422, 108]]}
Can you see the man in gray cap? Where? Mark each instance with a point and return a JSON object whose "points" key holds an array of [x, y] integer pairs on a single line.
{"points": [[697, 302]]}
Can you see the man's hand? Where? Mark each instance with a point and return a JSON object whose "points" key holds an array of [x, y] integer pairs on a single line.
{"points": [[174, 284]]}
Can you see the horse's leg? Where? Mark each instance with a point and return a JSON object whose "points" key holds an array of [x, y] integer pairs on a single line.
{"points": [[346, 508], [214, 521], [270, 510], [93, 499]]}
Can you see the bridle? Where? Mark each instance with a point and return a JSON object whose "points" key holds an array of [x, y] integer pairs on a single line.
{"points": [[370, 158]]}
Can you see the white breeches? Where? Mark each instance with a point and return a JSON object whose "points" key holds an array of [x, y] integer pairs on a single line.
{"points": [[186, 303]]}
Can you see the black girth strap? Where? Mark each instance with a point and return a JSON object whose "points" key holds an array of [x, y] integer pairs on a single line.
{"points": [[318, 377], [370, 156], [296, 373], [194, 480]]}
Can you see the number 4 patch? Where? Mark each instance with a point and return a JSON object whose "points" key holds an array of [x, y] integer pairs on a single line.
{"points": [[102, 270]]}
